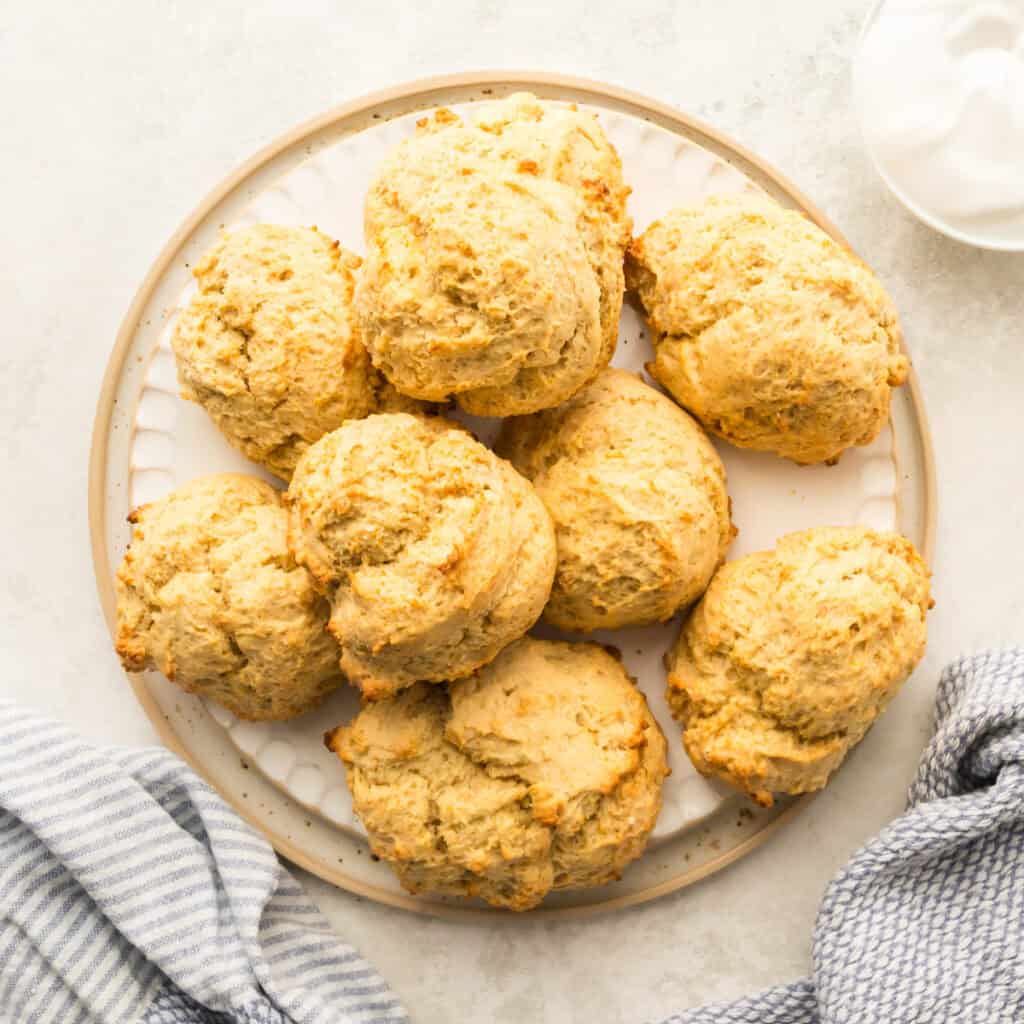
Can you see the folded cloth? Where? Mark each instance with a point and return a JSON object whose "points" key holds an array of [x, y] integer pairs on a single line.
{"points": [[925, 925], [130, 893]]}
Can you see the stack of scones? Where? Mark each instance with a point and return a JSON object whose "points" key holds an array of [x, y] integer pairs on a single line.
{"points": [[411, 561]]}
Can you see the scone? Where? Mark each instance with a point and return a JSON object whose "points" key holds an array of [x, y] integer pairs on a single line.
{"points": [[209, 594], [542, 771], [772, 334], [793, 653], [435, 553], [269, 345], [494, 258], [637, 494]]}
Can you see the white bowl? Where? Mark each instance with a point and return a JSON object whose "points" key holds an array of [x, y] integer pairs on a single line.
{"points": [[990, 237]]}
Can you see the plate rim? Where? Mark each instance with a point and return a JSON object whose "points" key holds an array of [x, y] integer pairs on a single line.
{"points": [[420, 92]]}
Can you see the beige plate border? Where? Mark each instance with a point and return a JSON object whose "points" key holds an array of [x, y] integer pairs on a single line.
{"points": [[418, 94]]}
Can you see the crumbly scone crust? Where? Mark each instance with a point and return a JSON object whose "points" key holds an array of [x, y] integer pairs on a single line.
{"points": [[542, 771], [209, 595], [494, 258], [638, 497], [434, 552], [772, 334], [269, 345], [793, 653]]}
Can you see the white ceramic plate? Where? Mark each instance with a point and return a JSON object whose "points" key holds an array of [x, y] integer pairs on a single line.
{"points": [[167, 441]]}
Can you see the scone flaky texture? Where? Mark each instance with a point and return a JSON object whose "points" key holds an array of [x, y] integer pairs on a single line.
{"points": [[637, 494], [542, 771], [793, 653], [269, 345], [494, 257], [209, 594], [434, 552], [772, 334]]}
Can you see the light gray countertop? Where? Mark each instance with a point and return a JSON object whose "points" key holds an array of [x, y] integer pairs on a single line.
{"points": [[119, 117]]}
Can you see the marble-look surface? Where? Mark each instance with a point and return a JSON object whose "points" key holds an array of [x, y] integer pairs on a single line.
{"points": [[119, 117]]}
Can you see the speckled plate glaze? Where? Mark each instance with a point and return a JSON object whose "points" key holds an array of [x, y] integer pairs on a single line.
{"points": [[319, 176]]}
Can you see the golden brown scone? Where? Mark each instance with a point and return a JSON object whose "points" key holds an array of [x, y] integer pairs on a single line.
{"points": [[494, 258], [209, 595], [637, 494], [541, 771], [269, 345], [793, 653], [772, 334], [435, 553]]}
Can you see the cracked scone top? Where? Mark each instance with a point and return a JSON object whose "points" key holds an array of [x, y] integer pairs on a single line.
{"points": [[793, 653], [542, 771], [772, 334], [637, 494], [269, 345], [494, 257], [434, 552], [209, 595]]}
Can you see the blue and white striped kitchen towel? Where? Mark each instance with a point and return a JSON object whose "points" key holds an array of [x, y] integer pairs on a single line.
{"points": [[130, 893], [925, 925]]}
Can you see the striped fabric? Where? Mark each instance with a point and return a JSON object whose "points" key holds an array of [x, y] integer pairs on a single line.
{"points": [[130, 893]]}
